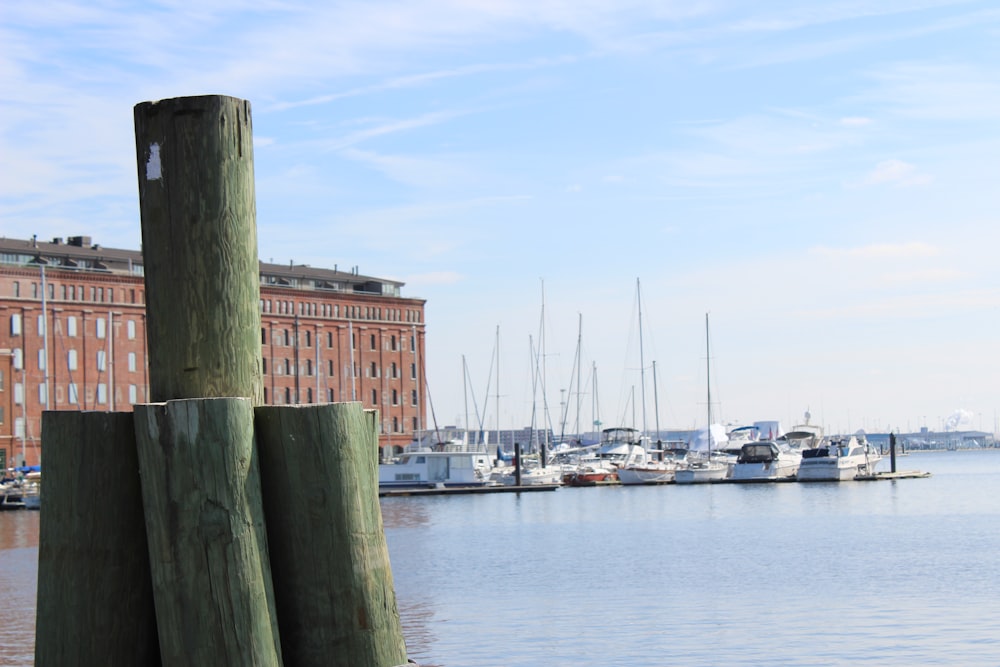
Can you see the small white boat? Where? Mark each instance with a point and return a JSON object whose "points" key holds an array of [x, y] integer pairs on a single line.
{"points": [[838, 460], [437, 468], [642, 467], [701, 470], [765, 461], [531, 475]]}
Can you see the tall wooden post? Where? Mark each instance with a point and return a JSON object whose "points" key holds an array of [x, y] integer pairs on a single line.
{"points": [[199, 247], [95, 599], [330, 562], [204, 518]]}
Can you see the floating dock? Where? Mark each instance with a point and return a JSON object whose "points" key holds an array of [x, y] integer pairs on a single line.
{"points": [[387, 492], [903, 474]]}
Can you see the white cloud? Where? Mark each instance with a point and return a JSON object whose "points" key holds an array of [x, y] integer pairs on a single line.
{"points": [[896, 172], [908, 250]]}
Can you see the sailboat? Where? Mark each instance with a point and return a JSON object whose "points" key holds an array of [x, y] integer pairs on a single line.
{"points": [[700, 469]]}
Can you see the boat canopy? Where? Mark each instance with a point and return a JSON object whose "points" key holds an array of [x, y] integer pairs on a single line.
{"points": [[758, 452]]}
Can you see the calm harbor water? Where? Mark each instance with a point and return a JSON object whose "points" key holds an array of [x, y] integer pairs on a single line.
{"points": [[881, 573]]}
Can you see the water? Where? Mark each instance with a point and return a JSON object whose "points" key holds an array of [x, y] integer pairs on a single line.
{"points": [[880, 573]]}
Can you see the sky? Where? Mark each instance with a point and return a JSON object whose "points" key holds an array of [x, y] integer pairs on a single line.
{"points": [[791, 206]]}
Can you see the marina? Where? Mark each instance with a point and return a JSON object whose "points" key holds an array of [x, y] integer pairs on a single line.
{"points": [[487, 579]]}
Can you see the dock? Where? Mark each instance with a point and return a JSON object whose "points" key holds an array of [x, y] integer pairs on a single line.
{"points": [[903, 474], [434, 490]]}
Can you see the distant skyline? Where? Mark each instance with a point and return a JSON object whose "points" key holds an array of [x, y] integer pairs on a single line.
{"points": [[821, 179]]}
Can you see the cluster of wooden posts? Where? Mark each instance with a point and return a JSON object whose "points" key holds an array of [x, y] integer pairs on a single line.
{"points": [[205, 528]]}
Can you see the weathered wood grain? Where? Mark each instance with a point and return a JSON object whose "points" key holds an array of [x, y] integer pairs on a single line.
{"points": [[333, 581], [199, 247], [95, 597], [207, 542]]}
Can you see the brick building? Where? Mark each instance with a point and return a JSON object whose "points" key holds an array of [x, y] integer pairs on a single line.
{"points": [[73, 337]]}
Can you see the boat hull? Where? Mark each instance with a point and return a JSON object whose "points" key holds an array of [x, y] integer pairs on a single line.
{"points": [[715, 472], [635, 476], [764, 472]]}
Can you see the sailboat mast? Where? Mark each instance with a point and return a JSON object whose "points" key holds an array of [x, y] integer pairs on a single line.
{"points": [[642, 361], [579, 367], [498, 384], [708, 385], [465, 395], [656, 402]]}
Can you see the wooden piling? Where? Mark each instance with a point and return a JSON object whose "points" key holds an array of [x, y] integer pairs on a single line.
{"points": [[199, 247], [200, 480], [95, 598], [330, 563], [517, 464], [207, 541]]}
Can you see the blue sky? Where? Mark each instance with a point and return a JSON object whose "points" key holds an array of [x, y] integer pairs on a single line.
{"points": [[820, 177]]}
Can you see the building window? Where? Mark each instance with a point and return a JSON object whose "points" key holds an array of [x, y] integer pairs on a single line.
{"points": [[413, 371], [308, 339], [131, 362], [395, 424], [18, 393], [373, 370], [392, 343], [101, 326], [17, 289], [263, 366], [287, 339], [41, 325], [15, 324], [288, 396], [71, 326], [18, 358], [19, 428], [102, 393], [329, 339], [288, 367], [309, 368], [133, 394], [329, 368], [374, 396], [43, 395], [101, 360], [74, 398], [263, 336], [395, 397], [265, 396], [413, 397], [393, 370], [41, 360], [329, 395], [130, 328], [309, 395], [71, 360]]}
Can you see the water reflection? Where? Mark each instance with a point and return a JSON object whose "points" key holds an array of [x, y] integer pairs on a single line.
{"points": [[18, 579]]}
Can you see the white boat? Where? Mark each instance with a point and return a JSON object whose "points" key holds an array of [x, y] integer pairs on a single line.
{"points": [[766, 460], [31, 491], [531, 475], [445, 467], [643, 467], [699, 471], [838, 460]]}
